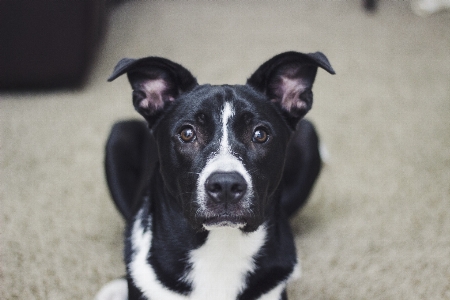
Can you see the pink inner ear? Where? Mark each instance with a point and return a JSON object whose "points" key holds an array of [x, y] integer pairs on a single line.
{"points": [[155, 91], [288, 93]]}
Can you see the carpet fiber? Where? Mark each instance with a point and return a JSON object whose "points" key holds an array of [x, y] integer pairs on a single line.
{"points": [[378, 223]]}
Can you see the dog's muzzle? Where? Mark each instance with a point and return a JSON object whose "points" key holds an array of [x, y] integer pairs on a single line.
{"points": [[226, 194]]}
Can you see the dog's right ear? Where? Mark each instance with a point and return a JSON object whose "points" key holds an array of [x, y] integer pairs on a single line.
{"points": [[156, 83]]}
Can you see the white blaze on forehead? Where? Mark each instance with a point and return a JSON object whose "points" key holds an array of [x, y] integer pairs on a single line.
{"points": [[227, 113], [223, 161]]}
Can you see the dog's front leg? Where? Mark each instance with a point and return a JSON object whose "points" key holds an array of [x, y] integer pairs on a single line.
{"points": [[302, 167]]}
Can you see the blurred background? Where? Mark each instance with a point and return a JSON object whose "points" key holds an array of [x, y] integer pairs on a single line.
{"points": [[377, 225]]}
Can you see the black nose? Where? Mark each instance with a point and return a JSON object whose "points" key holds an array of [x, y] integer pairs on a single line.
{"points": [[226, 187]]}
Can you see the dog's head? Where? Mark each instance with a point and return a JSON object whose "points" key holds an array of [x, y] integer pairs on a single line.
{"points": [[222, 148]]}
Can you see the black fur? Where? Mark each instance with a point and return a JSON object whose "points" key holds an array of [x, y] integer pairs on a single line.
{"points": [[155, 172]]}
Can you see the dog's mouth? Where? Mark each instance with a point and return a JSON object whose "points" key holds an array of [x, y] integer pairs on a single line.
{"points": [[224, 221]]}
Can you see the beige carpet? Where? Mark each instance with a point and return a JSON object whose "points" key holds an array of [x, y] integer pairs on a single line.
{"points": [[378, 223]]}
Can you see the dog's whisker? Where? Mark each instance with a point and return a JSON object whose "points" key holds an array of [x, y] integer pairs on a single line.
{"points": [[194, 173]]}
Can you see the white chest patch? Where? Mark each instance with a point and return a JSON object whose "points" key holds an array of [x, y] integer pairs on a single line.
{"points": [[219, 266]]}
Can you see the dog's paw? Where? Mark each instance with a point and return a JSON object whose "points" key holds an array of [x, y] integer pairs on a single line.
{"points": [[296, 274], [114, 290], [324, 154]]}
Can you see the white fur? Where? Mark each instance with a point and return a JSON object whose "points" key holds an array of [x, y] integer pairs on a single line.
{"points": [[219, 267], [114, 290], [223, 161], [224, 224]]}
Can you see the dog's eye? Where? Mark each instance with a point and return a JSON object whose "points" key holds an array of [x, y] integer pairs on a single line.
{"points": [[260, 135], [187, 134]]}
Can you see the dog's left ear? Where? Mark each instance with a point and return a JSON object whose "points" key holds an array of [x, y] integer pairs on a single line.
{"points": [[156, 83], [287, 80]]}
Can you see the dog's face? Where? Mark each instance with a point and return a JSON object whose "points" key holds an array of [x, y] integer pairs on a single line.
{"points": [[222, 148], [222, 154]]}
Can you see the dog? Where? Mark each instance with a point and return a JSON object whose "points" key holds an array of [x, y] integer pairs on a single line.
{"points": [[208, 182]]}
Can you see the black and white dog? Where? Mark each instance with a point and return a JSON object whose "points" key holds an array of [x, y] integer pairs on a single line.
{"points": [[207, 190]]}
